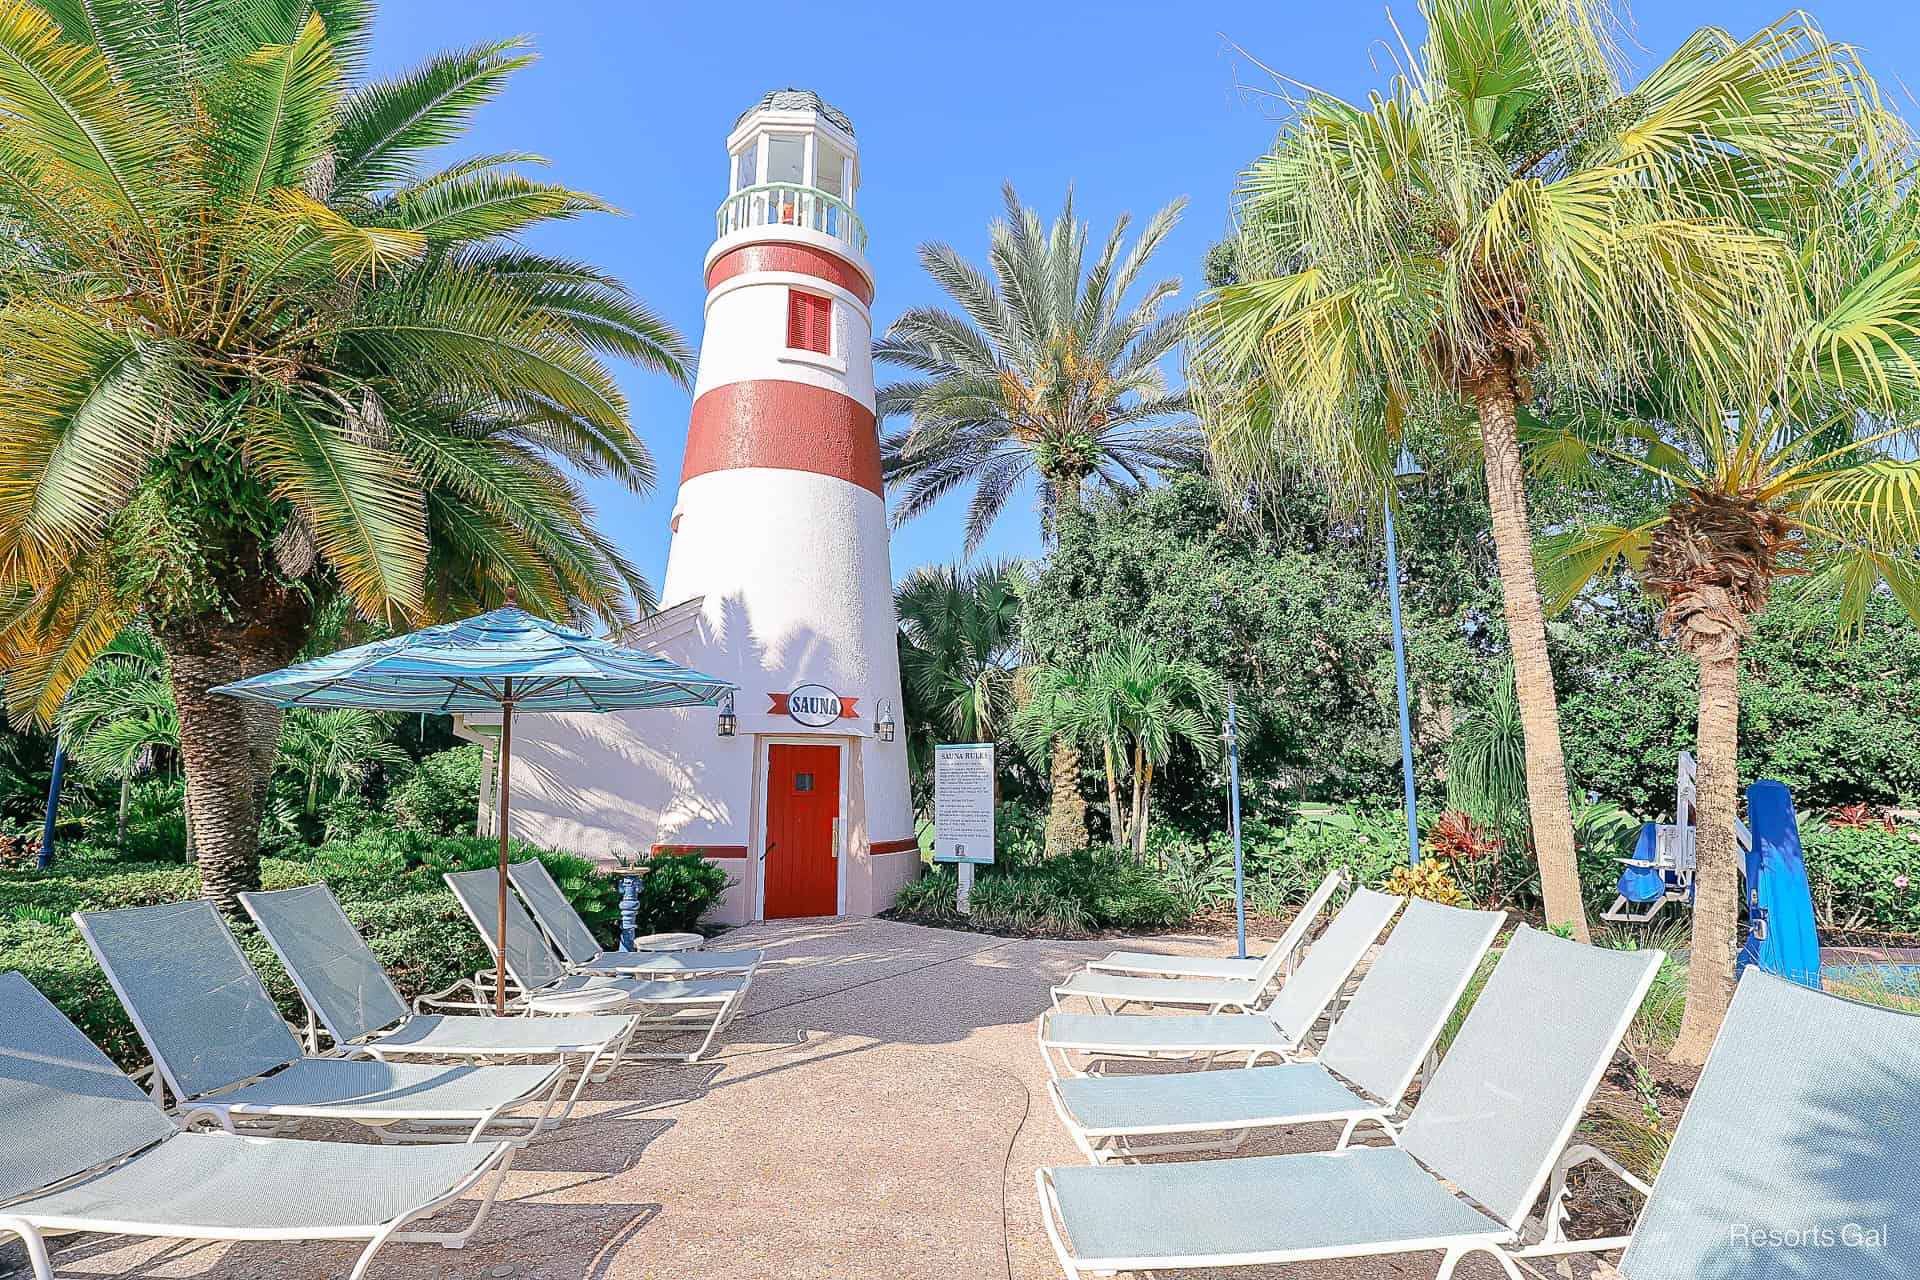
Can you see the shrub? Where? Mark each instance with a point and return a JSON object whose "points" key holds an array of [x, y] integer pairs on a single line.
{"points": [[931, 899], [1028, 905], [1069, 896], [1863, 877], [676, 891], [442, 795], [1429, 880], [156, 821]]}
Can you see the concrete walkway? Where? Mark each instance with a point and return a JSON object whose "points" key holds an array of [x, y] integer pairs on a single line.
{"points": [[878, 1112]]}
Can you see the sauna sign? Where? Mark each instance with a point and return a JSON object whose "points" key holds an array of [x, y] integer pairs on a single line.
{"points": [[813, 705]]}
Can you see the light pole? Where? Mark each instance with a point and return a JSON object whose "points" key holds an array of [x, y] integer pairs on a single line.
{"points": [[1405, 469], [1239, 864]]}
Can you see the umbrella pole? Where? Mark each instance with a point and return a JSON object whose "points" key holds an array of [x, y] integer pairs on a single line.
{"points": [[506, 765]]}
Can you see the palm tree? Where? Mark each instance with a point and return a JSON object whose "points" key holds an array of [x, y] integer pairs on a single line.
{"points": [[119, 715], [1056, 716], [254, 353], [1045, 371], [1509, 211], [1810, 478], [959, 651], [341, 744], [1138, 704]]}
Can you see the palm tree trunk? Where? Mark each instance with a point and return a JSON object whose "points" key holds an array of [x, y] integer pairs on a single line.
{"points": [[1147, 799], [263, 746], [222, 824], [1066, 807], [1135, 824], [1115, 819], [1716, 877], [1497, 399], [120, 828], [217, 732]]}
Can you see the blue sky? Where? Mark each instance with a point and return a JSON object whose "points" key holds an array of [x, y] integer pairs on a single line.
{"points": [[1134, 103]]}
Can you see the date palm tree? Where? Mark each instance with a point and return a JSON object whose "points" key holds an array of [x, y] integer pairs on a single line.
{"points": [[1810, 481], [1046, 371], [256, 352], [1509, 210]]}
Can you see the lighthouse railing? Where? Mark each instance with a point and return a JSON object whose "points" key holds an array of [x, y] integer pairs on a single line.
{"points": [[780, 204]]}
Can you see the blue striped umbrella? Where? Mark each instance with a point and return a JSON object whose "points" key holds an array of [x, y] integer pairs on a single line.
{"points": [[500, 661]]}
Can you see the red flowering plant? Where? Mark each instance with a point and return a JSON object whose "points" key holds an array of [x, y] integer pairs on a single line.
{"points": [[1456, 837], [1858, 817], [1469, 850]]}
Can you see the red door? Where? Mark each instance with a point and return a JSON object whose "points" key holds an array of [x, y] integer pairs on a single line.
{"points": [[803, 799]]}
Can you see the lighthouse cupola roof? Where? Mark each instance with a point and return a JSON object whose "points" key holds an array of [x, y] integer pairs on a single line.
{"points": [[792, 161]]}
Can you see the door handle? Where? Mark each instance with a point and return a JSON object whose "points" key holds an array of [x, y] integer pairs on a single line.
{"points": [[769, 849]]}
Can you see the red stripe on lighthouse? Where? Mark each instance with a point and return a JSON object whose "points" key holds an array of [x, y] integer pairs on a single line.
{"points": [[794, 426], [802, 259]]}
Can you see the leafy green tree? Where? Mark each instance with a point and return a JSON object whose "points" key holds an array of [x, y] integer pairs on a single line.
{"points": [[1046, 371], [1838, 723], [1506, 210], [1287, 603], [440, 797], [959, 652], [1805, 474], [257, 351]]}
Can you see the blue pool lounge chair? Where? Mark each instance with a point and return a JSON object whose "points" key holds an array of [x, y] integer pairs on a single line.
{"points": [[1261, 970], [1494, 1122], [1278, 1030], [1366, 1066], [581, 950], [1798, 1157], [702, 1007], [82, 1149], [349, 997], [226, 1055]]}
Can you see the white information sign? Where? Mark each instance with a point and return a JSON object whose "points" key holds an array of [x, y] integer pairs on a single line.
{"points": [[963, 803]]}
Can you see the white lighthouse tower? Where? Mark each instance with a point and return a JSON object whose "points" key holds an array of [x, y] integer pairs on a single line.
{"points": [[778, 577]]}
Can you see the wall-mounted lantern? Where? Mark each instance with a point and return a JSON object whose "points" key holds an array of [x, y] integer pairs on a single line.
{"points": [[883, 721], [728, 721]]}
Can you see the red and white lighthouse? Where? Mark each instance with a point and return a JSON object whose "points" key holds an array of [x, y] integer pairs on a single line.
{"points": [[778, 576]]}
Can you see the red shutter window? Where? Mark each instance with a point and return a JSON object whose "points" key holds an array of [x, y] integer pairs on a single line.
{"points": [[809, 322]]}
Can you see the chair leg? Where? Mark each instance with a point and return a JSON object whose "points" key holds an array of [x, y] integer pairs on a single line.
{"points": [[35, 1245], [1460, 1252]]}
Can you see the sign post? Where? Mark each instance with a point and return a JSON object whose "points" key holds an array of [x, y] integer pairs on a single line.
{"points": [[1239, 863], [963, 810]]}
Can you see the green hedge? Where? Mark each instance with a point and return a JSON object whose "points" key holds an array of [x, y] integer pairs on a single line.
{"points": [[388, 883]]}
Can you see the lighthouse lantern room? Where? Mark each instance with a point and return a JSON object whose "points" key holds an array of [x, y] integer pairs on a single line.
{"points": [[777, 576]]}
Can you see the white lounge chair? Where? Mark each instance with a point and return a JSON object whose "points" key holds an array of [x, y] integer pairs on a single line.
{"points": [[1798, 1157], [1279, 1030], [84, 1150], [1490, 1130], [581, 951], [699, 1006], [1155, 964], [349, 996], [225, 1055], [1360, 1075]]}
